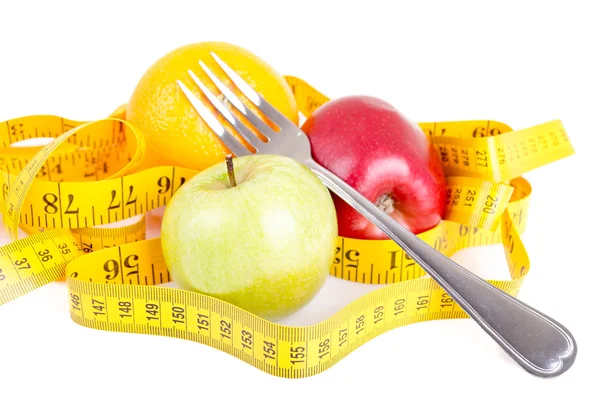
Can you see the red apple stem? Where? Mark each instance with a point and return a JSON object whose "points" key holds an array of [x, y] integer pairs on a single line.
{"points": [[230, 171]]}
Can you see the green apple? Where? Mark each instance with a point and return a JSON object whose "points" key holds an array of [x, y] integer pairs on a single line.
{"points": [[264, 242]]}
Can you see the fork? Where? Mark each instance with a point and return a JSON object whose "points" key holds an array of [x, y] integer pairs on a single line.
{"points": [[538, 343]]}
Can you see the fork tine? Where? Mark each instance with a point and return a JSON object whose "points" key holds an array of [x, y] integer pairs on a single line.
{"points": [[233, 99], [222, 108], [270, 111], [227, 138]]}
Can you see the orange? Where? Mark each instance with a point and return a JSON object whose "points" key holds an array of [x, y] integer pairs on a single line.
{"points": [[175, 133]]}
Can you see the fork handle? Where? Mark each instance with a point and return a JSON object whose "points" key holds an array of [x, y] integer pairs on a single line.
{"points": [[541, 345]]}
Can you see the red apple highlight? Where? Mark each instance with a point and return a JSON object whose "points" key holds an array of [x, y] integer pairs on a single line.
{"points": [[386, 157]]}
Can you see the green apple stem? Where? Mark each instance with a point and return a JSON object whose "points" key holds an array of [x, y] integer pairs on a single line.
{"points": [[230, 171]]}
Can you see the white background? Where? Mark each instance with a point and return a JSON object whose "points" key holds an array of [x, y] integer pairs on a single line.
{"points": [[522, 63]]}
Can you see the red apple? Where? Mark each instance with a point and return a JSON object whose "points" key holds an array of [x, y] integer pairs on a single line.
{"points": [[386, 157]]}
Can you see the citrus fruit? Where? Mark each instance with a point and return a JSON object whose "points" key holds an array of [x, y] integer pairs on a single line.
{"points": [[175, 133]]}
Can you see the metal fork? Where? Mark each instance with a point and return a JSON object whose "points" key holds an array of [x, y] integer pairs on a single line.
{"points": [[538, 343]]}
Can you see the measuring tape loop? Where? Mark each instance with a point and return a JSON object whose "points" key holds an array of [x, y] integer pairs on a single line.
{"points": [[479, 149], [51, 200], [34, 261], [132, 303], [114, 274]]}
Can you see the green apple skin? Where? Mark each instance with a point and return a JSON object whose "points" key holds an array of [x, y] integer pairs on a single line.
{"points": [[265, 245]]}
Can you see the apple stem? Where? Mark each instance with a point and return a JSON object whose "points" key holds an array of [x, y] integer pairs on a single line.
{"points": [[385, 203], [230, 171]]}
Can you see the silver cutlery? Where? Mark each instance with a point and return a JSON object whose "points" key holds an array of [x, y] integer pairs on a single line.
{"points": [[538, 343]]}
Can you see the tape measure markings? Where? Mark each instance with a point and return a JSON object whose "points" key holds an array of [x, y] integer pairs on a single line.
{"points": [[465, 195], [51, 196], [50, 126], [283, 351], [34, 261], [69, 203]]}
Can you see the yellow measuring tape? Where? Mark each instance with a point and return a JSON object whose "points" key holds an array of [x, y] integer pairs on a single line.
{"points": [[63, 193]]}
